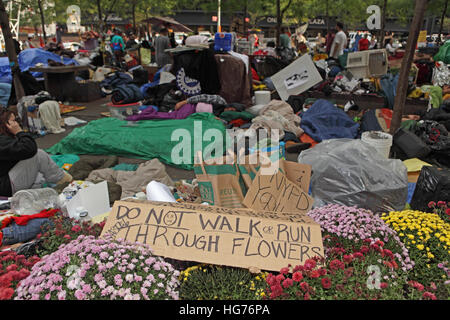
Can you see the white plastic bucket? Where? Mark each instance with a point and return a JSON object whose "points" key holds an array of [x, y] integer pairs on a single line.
{"points": [[262, 97], [382, 141]]}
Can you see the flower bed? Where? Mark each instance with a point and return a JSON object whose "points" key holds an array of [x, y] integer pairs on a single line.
{"points": [[427, 237], [89, 268], [366, 272], [348, 226], [209, 282], [13, 269], [62, 229]]}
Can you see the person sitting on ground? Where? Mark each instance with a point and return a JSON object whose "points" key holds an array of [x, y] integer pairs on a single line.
{"points": [[390, 47], [363, 43], [21, 162]]}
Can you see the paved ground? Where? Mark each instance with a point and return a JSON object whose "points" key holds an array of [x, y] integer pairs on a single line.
{"points": [[92, 112]]}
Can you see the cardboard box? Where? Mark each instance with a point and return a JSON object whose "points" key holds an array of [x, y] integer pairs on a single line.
{"points": [[209, 234]]}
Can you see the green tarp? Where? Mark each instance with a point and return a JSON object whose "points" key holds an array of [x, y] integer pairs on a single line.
{"points": [[146, 139]]}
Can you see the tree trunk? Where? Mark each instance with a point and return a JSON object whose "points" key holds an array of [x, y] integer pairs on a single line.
{"points": [[244, 23], [133, 8], [278, 23], [42, 20], [12, 55], [402, 86], [442, 20], [99, 11], [383, 25]]}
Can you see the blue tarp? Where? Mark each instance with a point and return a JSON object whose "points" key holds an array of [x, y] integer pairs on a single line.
{"points": [[5, 92], [323, 121], [29, 58], [5, 71]]}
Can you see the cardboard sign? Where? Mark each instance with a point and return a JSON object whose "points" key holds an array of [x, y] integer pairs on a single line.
{"points": [[296, 78], [298, 173], [277, 193], [234, 237]]}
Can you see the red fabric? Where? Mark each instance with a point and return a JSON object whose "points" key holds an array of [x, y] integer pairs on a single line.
{"points": [[260, 52], [23, 220], [363, 44], [238, 122], [386, 114], [255, 75], [305, 138]]}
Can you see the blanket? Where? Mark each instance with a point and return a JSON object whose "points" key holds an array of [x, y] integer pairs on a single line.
{"points": [[127, 93], [324, 121], [133, 182], [150, 113]]}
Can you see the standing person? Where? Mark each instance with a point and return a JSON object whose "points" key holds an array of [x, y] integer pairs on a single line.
{"points": [[173, 42], [27, 43], [117, 46], [59, 31], [390, 47], [285, 40], [339, 41], [329, 41], [161, 44], [363, 44], [373, 43], [21, 161], [131, 42]]}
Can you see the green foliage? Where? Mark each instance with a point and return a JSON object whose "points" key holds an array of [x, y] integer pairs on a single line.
{"points": [[209, 282], [62, 230]]}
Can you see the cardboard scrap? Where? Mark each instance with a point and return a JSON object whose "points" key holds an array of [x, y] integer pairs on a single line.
{"points": [[209, 234], [277, 193]]}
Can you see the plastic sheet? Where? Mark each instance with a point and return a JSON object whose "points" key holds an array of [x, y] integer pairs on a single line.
{"points": [[30, 57], [433, 185], [352, 173], [441, 74]]}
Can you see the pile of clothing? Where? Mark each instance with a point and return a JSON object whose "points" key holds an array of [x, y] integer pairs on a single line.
{"points": [[41, 112]]}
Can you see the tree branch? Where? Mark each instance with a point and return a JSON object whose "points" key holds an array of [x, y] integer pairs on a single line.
{"points": [[283, 11]]}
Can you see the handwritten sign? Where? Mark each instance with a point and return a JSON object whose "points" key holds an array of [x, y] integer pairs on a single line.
{"points": [[277, 193], [298, 173], [209, 234]]}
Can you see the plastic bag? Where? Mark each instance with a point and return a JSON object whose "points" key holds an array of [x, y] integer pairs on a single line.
{"points": [[444, 53], [433, 185], [352, 173]]}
